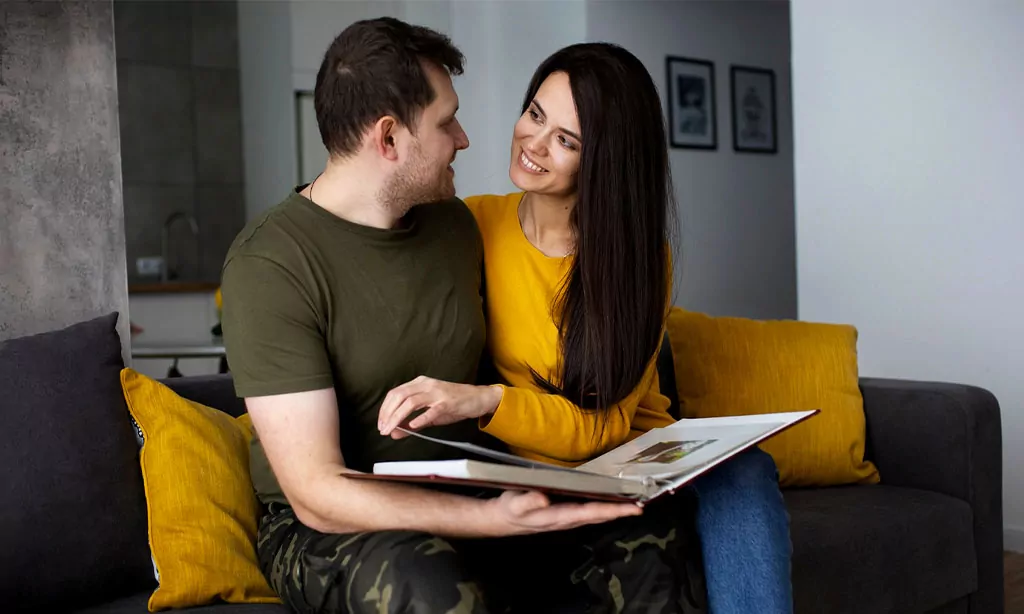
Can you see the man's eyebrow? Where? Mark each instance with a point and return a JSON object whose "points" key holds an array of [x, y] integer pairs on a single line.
{"points": [[569, 132], [450, 116]]}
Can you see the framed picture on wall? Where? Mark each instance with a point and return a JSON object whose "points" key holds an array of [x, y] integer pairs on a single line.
{"points": [[753, 110], [691, 103]]}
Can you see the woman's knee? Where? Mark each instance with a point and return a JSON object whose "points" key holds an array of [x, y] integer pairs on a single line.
{"points": [[755, 465], [750, 470]]}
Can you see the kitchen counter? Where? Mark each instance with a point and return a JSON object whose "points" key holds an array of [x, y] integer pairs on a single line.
{"points": [[171, 350], [172, 287]]}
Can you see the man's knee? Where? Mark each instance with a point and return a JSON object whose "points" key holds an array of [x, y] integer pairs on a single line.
{"points": [[413, 572], [646, 571], [401, 571]]}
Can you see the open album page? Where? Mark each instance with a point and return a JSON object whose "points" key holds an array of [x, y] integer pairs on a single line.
{"points": [[672, 453]]}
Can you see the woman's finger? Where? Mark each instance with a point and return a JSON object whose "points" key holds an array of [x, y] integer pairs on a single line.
{"points": [[394, 398], [432, 417], [391, 402], [385, 409], [412, 402]]}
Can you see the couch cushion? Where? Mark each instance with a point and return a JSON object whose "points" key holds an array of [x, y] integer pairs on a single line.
{"points": [[73, 514], [136, 604], [729, 366], [871, 549], [203, 513]]}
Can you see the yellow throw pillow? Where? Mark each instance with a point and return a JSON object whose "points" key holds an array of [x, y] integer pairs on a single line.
{"points": [[203, 513], [733, 366]]}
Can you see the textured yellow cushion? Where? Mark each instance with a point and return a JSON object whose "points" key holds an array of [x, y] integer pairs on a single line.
{"points": [[734, 366], [202, 509]]}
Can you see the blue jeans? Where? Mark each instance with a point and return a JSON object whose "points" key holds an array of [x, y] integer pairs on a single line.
{"points": [[744, 533]]}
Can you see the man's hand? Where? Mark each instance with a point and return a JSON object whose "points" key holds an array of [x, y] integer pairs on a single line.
{"points": [[444, 402], [522, 513]]}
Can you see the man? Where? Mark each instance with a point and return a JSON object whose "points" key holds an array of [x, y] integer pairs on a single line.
{"points": [[348, 288]]}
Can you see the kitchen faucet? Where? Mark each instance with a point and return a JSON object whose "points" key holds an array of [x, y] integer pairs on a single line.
{"points": [[165, 238]]}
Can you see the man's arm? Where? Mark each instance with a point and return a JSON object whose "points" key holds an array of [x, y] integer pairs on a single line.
{"points": [[298, 432]]}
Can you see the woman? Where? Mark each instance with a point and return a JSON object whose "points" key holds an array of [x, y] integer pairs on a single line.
{"points": [[577, 275]]}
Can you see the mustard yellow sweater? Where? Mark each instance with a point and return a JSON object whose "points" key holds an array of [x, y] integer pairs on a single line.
{"points": [[521, 285]]}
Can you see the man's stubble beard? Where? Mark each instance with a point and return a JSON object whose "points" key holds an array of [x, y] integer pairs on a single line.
{"points": [[415, 184]]}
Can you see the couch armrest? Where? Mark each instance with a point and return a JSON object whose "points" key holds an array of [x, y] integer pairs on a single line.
{"points": [[946, 438], [934, 436]]}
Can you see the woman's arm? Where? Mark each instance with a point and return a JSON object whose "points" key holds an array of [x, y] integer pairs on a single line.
{"points": [[544, 424], [551, 425]]}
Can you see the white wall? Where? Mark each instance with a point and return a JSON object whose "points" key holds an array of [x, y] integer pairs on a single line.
{"points": [[910, 215], [736, 209]]}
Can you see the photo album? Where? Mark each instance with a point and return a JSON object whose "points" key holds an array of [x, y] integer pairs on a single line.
{"points": [[658, 462]]}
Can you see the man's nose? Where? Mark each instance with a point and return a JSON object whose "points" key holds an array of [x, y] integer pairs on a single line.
{"points": [[461, 139]]}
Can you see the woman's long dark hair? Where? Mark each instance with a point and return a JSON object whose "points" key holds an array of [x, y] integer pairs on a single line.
{"points": [[612, 304]]}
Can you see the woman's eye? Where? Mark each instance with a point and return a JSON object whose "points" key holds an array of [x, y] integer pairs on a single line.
{"points": [[535, 116], [566, 143]]}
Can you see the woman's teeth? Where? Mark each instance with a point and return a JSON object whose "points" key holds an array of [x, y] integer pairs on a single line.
{"points": [[530, 165]]}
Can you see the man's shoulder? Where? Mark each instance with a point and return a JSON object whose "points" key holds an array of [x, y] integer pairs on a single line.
{"points": [[267, 237], [451, 208], [451, 215]]}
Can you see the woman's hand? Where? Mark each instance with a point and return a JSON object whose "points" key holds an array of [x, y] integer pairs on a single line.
{"points": [[444, 403]]}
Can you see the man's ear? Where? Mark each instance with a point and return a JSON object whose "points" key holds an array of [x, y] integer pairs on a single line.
{"points": [[385, 137]]}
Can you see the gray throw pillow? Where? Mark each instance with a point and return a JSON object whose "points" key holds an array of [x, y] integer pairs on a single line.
{"points": [[73, 511]]}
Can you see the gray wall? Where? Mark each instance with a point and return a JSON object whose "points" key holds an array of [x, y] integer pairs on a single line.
{"points": [[268, 115], [61, 227], [181, 130], [738, 251]]}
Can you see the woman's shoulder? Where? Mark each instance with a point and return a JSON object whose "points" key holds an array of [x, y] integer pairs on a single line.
{"points": [[489, 208]]}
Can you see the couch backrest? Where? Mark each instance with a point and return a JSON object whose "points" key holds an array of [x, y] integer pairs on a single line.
{"points": [[667, 377], [216, 391], [73, 516]]}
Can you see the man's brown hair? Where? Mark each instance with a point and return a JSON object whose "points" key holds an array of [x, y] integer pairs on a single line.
{"points": [[375, 68]]}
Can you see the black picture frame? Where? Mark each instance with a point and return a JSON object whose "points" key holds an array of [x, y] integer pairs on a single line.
{"points": [[692, 110], [754, 109]]}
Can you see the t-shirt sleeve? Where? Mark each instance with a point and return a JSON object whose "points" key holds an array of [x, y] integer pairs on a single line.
{"points": [[273, 335]]}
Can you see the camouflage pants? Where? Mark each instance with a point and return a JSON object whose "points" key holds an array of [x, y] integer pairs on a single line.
{"points": [[642, 565]]}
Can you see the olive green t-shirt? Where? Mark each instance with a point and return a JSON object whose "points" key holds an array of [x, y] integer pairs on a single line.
{"points": [[312, 301]]}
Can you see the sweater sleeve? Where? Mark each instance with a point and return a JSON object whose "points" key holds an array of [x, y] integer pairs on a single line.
{"points": [[552, 426]]}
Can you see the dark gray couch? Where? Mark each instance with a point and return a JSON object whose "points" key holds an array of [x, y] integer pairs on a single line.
{"points": [[927, 539]]}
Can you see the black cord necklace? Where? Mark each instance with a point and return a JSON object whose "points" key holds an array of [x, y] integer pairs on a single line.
{"points": [[311, 189]]}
